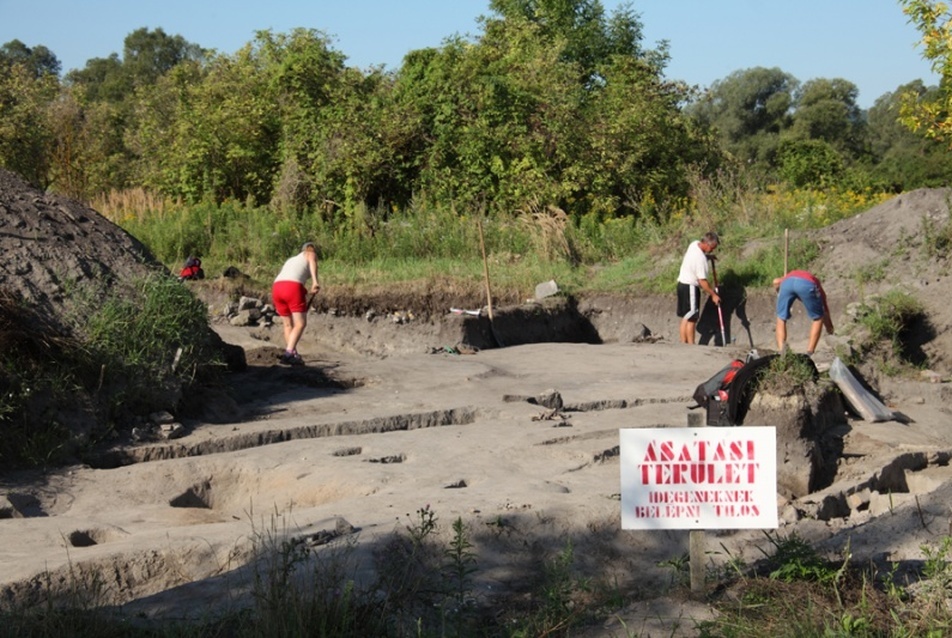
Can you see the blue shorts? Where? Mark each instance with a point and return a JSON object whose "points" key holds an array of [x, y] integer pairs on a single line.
{"points": [[793, 288]]}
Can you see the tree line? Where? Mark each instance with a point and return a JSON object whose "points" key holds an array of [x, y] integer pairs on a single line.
{"points": [[554, 104]]}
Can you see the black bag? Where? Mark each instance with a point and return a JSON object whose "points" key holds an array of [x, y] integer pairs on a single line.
{"points": [[715, 389], [712, 395], [717, 413]]}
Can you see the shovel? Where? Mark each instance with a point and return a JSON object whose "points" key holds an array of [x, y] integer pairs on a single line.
{"points": [[720, 311]]}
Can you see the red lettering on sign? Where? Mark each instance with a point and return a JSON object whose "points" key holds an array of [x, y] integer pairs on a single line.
{"points": [[699, 473], [700, 451]]}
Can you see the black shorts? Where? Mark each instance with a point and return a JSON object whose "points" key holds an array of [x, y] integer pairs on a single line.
{"points": [[689, 301]]}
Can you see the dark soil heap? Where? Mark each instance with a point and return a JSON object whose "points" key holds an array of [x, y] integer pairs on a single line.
{"points": [[59, 261], [49, 244]]}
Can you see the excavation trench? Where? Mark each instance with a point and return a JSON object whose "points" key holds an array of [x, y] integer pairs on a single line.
{"points": [[231, 443]]}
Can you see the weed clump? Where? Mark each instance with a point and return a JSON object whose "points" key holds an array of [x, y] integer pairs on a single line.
{"points": [[148, 347], [127, 356], [42, 408], [892, 328], [787, 374], [795, 591]]}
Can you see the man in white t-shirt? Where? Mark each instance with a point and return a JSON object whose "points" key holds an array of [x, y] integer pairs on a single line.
{"points": [[692, 279]]}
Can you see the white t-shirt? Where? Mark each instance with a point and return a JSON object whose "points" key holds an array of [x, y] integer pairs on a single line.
{"points": [[295, 269], [694, 265]]}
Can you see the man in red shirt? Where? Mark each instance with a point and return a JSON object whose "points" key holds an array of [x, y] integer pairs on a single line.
{"points": [[799, 284]]}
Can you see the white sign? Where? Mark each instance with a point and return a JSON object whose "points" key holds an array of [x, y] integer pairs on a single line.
{"points": [[699, 478]]}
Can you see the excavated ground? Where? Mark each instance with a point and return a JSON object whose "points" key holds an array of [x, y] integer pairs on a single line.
{"points": [[390, 415], [377, 426]]}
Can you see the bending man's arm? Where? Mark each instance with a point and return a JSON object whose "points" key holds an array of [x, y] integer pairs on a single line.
{"points": [[706, 287]]}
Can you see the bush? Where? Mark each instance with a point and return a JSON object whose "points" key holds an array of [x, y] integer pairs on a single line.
{"points": [[39, 388], [130, 355], [890, 320], [787, 374], [148, 347]]}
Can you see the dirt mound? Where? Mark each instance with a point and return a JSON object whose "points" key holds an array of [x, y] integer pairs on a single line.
{"points": [[903, 243], [50, 244], [893, 239], [61, 262]]}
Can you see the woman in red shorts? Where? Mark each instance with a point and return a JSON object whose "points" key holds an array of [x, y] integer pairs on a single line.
{"points": [[289, 296]]}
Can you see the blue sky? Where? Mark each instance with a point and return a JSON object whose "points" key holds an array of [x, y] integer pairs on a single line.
{"points": [[868, 42]]}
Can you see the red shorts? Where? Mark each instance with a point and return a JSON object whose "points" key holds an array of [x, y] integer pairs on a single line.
{"points": [[288, 297]]}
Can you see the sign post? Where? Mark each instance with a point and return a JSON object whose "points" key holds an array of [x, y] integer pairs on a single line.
{"points": [[698, 478], [696, 545]]}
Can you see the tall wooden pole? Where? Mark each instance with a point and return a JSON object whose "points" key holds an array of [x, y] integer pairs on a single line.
{"points": [[696, 541], [482, 246], [786, 249]]}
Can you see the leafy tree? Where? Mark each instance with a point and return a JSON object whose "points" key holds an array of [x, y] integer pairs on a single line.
{"points": [[29, 82], [208, 133], [159, 139], [748, 110], [826, 110], [625, 32], [38, 61], [368, 143], [147, 55], [516, 113], [579, 24], [522, 119], [930, 114], [102, 79], [643, 146], [809, 163], [305, 78], [428, 90], [99, 108], [900, 159], [66, 125], [25, 133]]}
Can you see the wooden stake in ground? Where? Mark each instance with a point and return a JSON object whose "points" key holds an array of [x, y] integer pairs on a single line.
{"points": [[786, 248], [697, 556], [482, 246]]}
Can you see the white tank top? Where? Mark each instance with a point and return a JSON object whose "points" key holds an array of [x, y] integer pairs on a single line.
{"points": [[295, 269]]}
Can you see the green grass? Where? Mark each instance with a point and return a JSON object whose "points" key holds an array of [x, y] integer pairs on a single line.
{"points": [[787, 374], [887, 315], [147, 345], [583, 254], [936, 237]]}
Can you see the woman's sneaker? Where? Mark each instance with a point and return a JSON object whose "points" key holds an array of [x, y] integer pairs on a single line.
{"points": [[294, 359], [291, 359]]}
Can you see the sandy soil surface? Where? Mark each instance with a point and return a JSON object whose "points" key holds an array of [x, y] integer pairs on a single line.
{"points": [[366, 442], [385, 419]]}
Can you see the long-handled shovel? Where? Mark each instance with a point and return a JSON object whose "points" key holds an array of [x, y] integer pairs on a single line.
{"points": [[720, 311], [489, 296]]}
